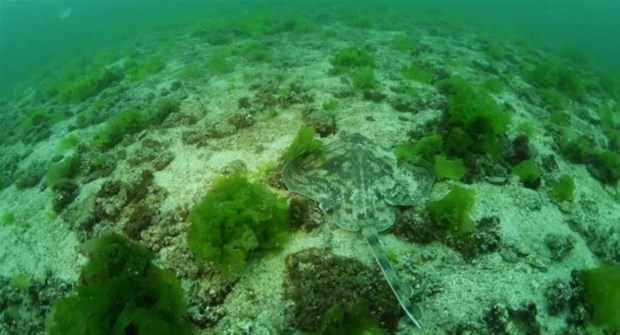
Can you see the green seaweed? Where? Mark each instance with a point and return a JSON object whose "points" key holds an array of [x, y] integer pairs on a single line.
{"points": [[138, 71], [87, 85], [7, 219], [528, 172], [118, 126], [235, 220], [364, 79], [603, 295], [353, 318], [348, 59], [423, 149], [121, 292], [163, 108], [69, 142], [445, 168], [305, 142], [452, 212], [563, 189], [416, 73], [218, 63], [605, 166], [67, 168], [404, 43], [474, 122]]}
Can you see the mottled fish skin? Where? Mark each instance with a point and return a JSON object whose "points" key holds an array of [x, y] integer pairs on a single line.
{"points": [[400, 290]]}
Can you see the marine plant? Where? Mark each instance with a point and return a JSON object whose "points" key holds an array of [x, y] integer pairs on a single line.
{"points": [[120, 292], [191, 72], [474, 122], [553, 75], [163, 108], [603, 295], [528, 172], [560, 118], [352, 318], [96, 113], [563, 188], [218, 63], [305, 142], [331, 105], [452, 212], [416, 73], [87, 85], [255, 52], [605, 166], [118, 126], [138, 71], [423, 149], [495, 51], [577, 149], [7, 218], [67, 168], [527, 128], [492, 85], [405, 152], [69, 142], [552, 99], [364, 79], [236, 220], [347, 59], [404, 43], [445, 168]]}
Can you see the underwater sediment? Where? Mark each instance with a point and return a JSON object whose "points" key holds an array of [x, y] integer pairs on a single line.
{"points": [[325, 173]]}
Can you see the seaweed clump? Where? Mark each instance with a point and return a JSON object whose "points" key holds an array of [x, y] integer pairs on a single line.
{"points": [[452, 211], [349, 319], [235, 220], [529, 173], [473, 122], [121, 292], [305, 143], [563, 189], [603, 295]]}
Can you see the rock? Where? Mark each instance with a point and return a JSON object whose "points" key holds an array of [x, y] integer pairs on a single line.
{"points": [[558, 296], [503, 319], [65, 191], [220, 130], [374, 95], [323, 123], [242, 119], [559, 246], [317, 280]]}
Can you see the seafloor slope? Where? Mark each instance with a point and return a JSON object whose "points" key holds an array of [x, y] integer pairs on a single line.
{"points": [[134, 147]]}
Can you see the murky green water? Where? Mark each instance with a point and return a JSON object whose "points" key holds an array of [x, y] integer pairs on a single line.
{"points": [[316, 167]]}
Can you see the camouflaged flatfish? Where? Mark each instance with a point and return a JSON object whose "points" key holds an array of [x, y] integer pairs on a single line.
{"points": [[358, 182]]}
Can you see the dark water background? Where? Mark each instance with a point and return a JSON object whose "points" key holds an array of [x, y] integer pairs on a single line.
{"points": [[34, 39]]}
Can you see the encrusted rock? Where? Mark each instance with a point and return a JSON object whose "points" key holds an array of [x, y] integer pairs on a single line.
{"points": [[317, 280], [65, 191], [220, 130], [559, 246], [304, 213], [242, 119], [323, 123], [558, 295], [503, 319]]}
